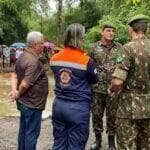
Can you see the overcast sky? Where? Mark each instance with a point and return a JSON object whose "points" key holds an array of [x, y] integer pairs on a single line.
{"points": [[52, 4]]}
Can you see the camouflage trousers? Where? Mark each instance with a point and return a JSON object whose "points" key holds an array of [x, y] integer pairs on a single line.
{"points": [[133, 134], [100, 103]]}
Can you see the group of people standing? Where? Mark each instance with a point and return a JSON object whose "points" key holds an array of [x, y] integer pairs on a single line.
{"points": [[8, 56], [123, 88], [115, 78]]}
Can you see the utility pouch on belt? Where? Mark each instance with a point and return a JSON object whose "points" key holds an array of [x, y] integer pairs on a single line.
{"points": [[141, 106]]}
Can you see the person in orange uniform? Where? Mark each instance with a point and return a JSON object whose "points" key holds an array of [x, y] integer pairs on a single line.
{"points": [[74, 73]]}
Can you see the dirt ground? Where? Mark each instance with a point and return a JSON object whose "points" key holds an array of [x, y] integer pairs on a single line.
{"points": [[9, 131]]}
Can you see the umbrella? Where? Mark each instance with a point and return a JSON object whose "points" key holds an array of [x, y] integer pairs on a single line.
{"points": [[18, 45], [49, 45]]}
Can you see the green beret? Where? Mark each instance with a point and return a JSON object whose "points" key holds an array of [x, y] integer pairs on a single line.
{"points": [[108, 24], [138, 18]]}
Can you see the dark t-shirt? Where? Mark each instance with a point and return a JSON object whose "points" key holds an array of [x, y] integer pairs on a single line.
{"points": [[30, 69]]}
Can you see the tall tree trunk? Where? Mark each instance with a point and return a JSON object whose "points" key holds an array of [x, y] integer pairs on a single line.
{"points": [[59, 21], [82, 3]]}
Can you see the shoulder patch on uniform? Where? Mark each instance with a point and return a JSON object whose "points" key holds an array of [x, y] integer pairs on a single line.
{"points": [[95, 71], [65, 77]]}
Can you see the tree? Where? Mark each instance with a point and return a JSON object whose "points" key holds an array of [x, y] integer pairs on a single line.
{"points": [[59, 20], [17, 17], [10, 19]]}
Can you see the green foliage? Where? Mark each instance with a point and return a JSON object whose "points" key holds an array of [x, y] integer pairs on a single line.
{"points": [[17, 17], [119, 16], [12, 27], [93, 34], [74, 16], [50, 29], [87, 15], [91, 12]]}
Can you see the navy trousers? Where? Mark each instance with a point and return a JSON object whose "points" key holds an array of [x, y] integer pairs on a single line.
{"points": [[30, 125], [70, 125]]}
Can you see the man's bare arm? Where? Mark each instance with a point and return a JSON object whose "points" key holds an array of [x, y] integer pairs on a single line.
{"points": [[23, 87], [16, 91], [14, 81]]}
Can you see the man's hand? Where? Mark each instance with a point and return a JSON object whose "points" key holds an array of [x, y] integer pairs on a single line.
{"points": [[110, 93], [115, 87], [13, 95]]}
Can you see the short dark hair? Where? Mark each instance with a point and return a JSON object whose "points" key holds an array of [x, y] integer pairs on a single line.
{"points": [[140, 26], [74, 35]]}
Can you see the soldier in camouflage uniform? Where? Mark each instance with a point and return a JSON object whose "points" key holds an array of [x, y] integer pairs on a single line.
{"points": [[132, 73], [104, 53]]}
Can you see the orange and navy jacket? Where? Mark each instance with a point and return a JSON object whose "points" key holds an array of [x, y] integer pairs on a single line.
{"points": [[74, 72]]}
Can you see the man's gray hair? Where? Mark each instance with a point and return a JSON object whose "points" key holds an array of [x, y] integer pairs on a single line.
{"points": [[34, 37], [74, 35]]}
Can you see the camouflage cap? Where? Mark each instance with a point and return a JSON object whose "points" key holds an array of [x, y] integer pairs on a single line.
{"points": [[138, 18], [108, 24]]}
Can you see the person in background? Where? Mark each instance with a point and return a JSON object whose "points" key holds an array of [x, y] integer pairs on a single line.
{"points": [[19, 51], [12, 57], [132, 73], [74, 74], [1, 58], [6, 57], [29, 86], [104, 53]]}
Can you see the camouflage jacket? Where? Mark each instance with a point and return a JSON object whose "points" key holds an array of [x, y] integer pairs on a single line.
{"points": [[105, 60], [134, 69]]}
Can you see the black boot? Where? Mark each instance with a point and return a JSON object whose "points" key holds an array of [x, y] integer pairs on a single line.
{"points": [[97, 144], [111, 142]]}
